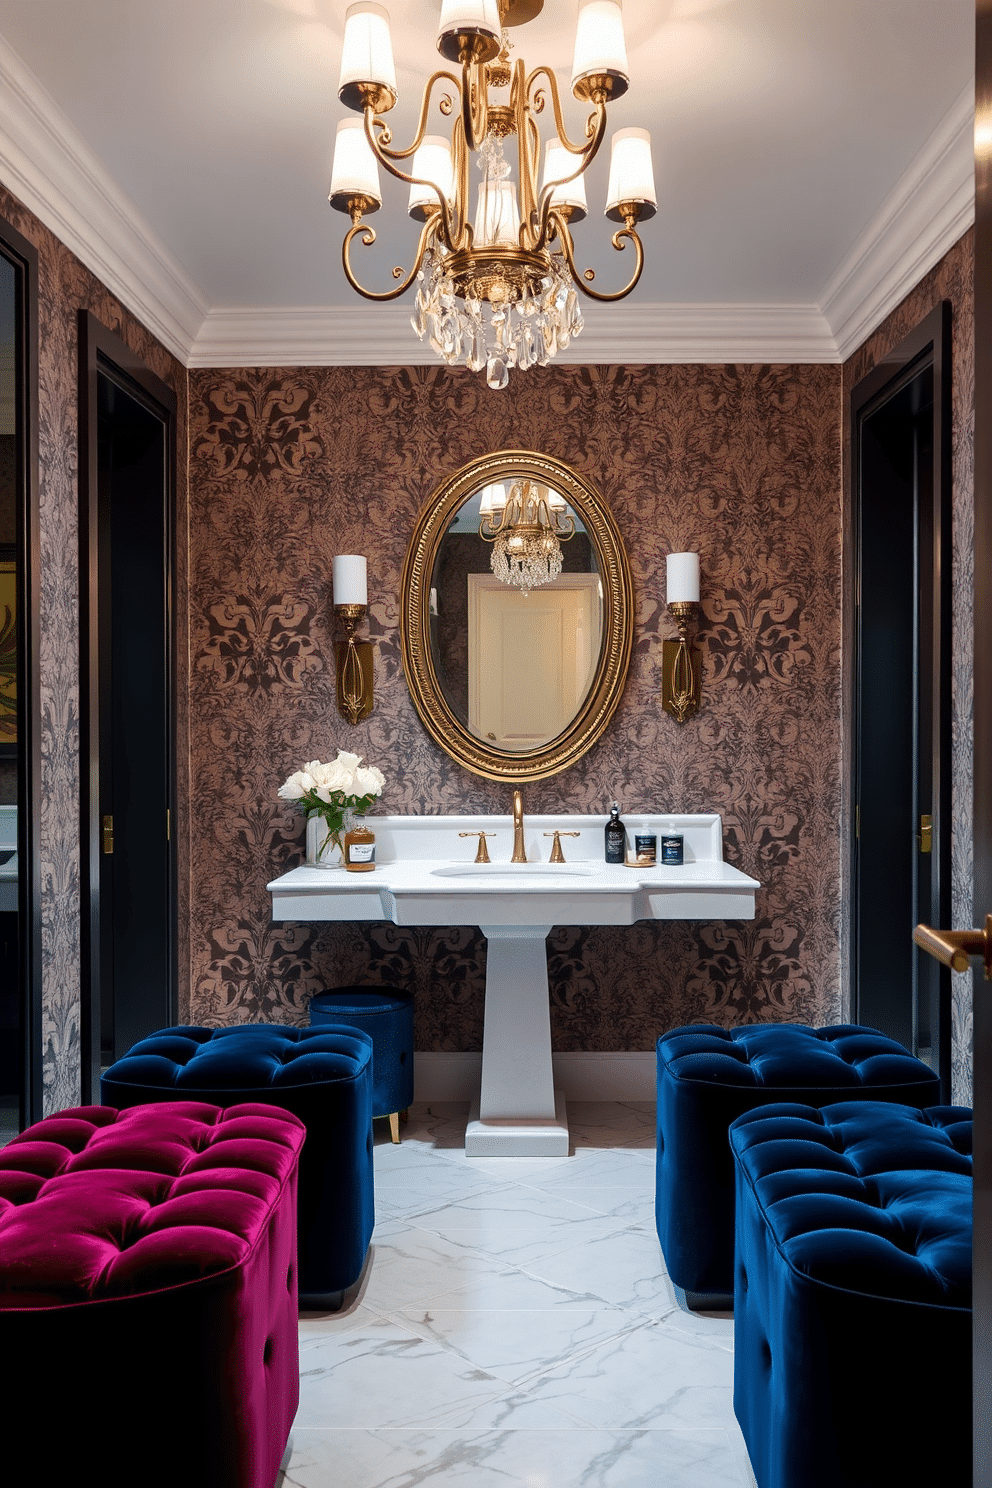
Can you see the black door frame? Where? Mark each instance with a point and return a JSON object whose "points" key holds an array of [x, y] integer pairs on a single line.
{"points": [[928, 344], [101, 351], [23, 256], [982, 810]]}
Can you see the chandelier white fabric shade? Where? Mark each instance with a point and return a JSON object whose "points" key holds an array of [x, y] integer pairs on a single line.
{"points": [[432, 162], [600, 49], [631, 174], [478, 18], [367, 52], [559, 163], [354, 171], [493, 499]]}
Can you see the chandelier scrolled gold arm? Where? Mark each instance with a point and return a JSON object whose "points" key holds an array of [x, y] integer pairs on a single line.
{"points": [[495, 288]]}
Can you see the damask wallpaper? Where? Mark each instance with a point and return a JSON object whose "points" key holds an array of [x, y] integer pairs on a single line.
{"points": [[743, 463], [951, 279], [65, 287]]}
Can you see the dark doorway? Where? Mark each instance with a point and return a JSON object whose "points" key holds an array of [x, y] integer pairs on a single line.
{"points": [[900, 425], [21, 1088], [129, 932]]}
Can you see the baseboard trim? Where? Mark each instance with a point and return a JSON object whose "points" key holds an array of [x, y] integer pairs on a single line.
{"points": [[590, 1077]]}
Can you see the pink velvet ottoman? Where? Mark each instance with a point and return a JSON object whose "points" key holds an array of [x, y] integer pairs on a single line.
{"points": [[148, 1295]]}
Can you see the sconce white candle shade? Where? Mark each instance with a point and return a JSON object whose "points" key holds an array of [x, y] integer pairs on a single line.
{"points": [[683, 578], [355, 171], [366, 56], [559, 163], [600, 49], [477, 20], [432, 162], [349, 577], [631, 174]]}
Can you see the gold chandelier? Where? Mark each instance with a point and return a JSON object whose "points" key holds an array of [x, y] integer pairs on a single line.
{"points": [[495, 288], [527, 531]]}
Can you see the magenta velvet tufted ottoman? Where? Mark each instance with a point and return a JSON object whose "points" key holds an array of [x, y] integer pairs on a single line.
{"points": [[148, 1295]]}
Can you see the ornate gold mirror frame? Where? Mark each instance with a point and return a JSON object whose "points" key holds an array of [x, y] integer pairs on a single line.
{"points": [[618, 619]]}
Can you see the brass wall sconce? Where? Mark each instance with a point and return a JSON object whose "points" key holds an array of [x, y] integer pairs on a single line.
{"points": [[680, 681], [354, 658]]}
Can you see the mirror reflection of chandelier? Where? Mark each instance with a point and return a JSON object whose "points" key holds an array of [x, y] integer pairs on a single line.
{"points": [[496, 287], [527, 529]]}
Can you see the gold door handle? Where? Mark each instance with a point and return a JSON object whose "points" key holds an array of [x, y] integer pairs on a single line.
{"points": [[924, 840], [954, 948], [108, 835]]}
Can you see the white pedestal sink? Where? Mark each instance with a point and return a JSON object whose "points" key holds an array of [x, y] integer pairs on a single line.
{"points": [[420, 880]]}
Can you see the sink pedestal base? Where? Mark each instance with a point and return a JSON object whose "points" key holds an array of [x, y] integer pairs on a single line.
{"points": [[507, 1136], [519, 1114]]}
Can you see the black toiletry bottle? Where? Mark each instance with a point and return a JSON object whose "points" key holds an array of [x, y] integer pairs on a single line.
{"points": [[616, 837]]}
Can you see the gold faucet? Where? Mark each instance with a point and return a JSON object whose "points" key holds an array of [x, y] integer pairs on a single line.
{"points": [[519, 854]]}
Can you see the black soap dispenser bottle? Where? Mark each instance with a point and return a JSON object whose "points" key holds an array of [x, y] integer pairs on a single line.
{"points": [[616, 837]]}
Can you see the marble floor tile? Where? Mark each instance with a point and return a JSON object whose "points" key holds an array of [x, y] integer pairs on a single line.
{"points": [[498, 1459], [515, 1325]]}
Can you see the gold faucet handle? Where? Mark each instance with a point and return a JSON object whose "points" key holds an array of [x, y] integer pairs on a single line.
{"points": [[557, 856], [482, 856]]}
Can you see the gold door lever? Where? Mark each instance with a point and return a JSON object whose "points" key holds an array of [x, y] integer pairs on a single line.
{"points": [[954, 948], [924, 840], [108, 835]]}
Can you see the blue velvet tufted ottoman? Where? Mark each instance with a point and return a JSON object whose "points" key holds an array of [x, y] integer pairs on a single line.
{"points": [[322, 1075], [708, 1076], [852, 1299], [386, 1015]]}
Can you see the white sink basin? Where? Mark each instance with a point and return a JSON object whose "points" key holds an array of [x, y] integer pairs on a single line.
{"points": [[507, 872]]}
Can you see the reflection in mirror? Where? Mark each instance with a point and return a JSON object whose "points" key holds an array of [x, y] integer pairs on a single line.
{"points": [[516, 616], [515, 662]]}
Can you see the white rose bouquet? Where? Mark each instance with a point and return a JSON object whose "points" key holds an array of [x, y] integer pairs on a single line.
{"points": [[329, 790]]}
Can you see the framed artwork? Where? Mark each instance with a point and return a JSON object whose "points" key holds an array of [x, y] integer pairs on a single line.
{"points": [[8, 650]]}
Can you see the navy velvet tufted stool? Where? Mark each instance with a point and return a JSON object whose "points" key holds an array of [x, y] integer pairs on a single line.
{"points": [[707, 1077], [386, 1015], [852, 1299], [324, 1076]]}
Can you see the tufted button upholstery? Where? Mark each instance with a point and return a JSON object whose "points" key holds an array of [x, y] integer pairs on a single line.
{"points": [[322, 1075], [708, 1076], [142, 1248], [852, 1276]]}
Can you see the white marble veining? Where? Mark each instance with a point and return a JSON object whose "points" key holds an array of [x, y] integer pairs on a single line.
{"points": [[515, 1325]]}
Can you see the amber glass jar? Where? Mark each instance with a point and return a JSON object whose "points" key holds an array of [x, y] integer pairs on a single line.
{"points": [[359, 847]]}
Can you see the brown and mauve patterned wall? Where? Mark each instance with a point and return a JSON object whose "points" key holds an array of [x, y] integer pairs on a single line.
{"points": [[65, 287], [951, 279], [289, 467]]}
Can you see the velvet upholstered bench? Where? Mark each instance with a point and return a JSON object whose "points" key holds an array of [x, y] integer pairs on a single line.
{"points": [[148, 1296], [852, 1295], [324, 1076], [707, 1077]]}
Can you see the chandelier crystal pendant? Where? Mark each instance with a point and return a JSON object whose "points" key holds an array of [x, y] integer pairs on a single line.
{"points": [[527, 530], [496, 287]]}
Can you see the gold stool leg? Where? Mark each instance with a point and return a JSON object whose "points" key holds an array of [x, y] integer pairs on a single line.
{"points": [[394, 1125]]}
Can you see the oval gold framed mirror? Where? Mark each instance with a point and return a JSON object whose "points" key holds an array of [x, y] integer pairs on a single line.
{"points": [[516, 616]]}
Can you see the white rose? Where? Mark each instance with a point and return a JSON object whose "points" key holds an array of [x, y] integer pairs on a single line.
{"points": [[296, 786], [368, 782], [335, 778]]}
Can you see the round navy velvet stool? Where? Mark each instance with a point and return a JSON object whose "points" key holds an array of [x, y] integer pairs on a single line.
{"points": [[386, 1015], [707, 1077]]}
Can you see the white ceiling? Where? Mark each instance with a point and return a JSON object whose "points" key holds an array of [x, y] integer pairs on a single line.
{"points": [[812, 158]]}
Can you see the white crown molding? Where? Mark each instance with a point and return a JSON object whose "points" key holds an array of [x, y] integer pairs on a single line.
{"points": [[49, 167], [364, 335], [927, 211], [46, 163]]}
